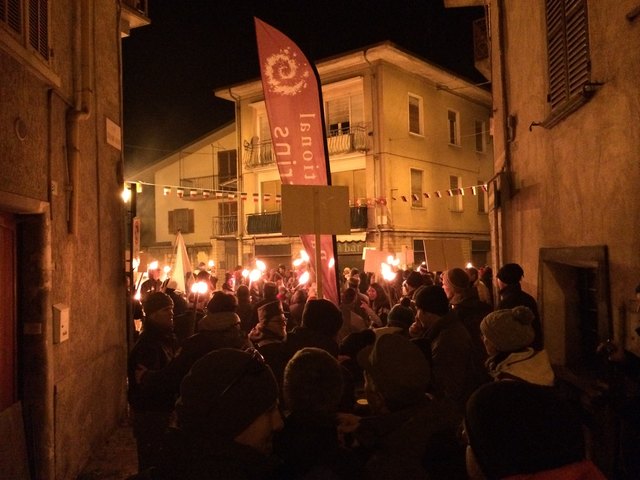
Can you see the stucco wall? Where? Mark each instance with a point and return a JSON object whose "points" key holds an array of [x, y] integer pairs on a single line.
{"points": [[577, 181], [74, 391]]}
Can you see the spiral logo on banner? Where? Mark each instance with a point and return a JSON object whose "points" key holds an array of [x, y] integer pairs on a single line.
{"points": [[284, 75]]}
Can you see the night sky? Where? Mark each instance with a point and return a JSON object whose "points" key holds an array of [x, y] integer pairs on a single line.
{"points": [[172, 66]]}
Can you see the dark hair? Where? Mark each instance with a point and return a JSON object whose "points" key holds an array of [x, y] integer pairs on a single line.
{"points": [[222, 302], [322, 316], [270, 290], [242, 292], [382, 299], [312, 382]]}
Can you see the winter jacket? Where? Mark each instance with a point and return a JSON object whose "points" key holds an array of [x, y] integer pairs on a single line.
{"points": [[418, 442], [455, 373], [153, 350], [529, 365]]}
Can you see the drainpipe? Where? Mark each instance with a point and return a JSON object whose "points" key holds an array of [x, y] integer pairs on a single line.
{"points": [[379, 183], [497, 230], [240, 179], [82, 97]]}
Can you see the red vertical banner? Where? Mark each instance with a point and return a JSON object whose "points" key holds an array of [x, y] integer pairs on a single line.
{"points": [[292, 97]]}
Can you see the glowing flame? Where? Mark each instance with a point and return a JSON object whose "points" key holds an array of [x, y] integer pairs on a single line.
{"points": [[332, 262], [245, 273], [126, 195], [297, 262], [255, 275], [304, 256], [387, 273], [166, 269], [304, 278], [136, 263], [211, 263], [260, 265], [153, 265], [469, 265], [199, 287]]}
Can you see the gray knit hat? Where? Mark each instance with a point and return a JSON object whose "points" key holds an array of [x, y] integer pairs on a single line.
{"points": [[509, 330]]}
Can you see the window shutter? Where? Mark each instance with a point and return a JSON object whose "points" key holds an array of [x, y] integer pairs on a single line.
{"points": [[172, 224], [190, 221], [11, 14], [39, 27], [568, 50]]}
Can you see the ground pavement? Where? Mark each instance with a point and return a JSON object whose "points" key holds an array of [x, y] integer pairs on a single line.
{"points": [[115, 460]]}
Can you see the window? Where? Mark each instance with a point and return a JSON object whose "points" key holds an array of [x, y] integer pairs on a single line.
{"points": [[483, 198], [181, 219], [454, 127], [415, 114], [227, 169], [568, 56], [416, 188], [355, 180], [481, 136], [269, 191], [455, 202], [32, 28], [227, 221], [337, 115]]}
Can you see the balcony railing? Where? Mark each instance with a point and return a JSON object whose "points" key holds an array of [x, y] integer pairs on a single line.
{"points": [[358, 217], [225, 225], [211, 182], [271, 222], [258, 153]]}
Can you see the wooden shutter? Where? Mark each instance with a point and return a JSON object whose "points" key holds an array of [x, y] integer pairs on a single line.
{"points": [[568, 50], [11, 14]]}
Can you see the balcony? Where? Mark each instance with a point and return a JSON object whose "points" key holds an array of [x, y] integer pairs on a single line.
{"points": [[271, 222], [225, 225], [344, 140], [134, 14], [263, 223]]}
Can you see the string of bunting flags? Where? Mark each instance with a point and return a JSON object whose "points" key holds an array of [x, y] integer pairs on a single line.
{"points": [[204, 193]]}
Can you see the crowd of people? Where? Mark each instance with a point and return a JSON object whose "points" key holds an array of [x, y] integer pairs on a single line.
{"points": [[425, 377]]}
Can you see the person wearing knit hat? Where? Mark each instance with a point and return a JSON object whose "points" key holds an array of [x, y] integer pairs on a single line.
{"points": [[269, 335], [455, 282], [221, 313], [219, 328], [467, 307], [517, 430], [508, 335], [407, 425], [441, 336], [309, 443], [227, 414], [155, 348], [510, 295], [399, 320]]}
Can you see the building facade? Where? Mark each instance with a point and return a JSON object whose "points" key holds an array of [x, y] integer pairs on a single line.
{"points": [[564, 201], [62, 327], [409, 139]]}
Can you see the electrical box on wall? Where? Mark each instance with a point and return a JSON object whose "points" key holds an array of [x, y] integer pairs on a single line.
{"points": [[60, 323]]}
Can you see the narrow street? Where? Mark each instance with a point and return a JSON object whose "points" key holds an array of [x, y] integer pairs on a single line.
{"points": [[114, 460]]}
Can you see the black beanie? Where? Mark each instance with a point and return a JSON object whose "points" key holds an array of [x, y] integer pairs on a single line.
{"points": [[401, 317], [414, 280], [322, 316], [520, 428], [224, 392], [156, 301], [432, 299]]}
